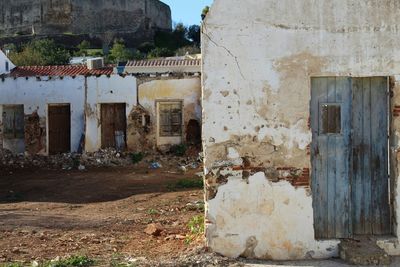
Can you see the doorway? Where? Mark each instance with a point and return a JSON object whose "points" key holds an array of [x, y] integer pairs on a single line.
{"points": [[350, 180], [113, 126], [59, 122]]}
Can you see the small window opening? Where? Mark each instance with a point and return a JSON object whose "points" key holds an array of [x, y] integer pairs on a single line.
{"points": [[330, 119], [7, 66], [170, 115]]}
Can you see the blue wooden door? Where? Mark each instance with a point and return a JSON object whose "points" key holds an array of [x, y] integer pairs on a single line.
{"points": [[331, 155], [349, 120], [370, 179]]}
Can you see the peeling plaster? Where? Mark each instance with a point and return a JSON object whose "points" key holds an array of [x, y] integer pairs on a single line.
{"points": [[256, 97]]}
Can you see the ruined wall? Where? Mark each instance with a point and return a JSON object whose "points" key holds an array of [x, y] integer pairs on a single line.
{"points": [[97, 17], [35, 94], [113, 89], [150, 90], [258, 57]]}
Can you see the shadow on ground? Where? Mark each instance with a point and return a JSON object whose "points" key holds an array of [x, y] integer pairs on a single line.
{"points": [[74, 187]]}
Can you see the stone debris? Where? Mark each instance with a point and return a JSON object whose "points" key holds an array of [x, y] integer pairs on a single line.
{"points": [[198, 257], [102, 158], [363, 252], [154, 229]]}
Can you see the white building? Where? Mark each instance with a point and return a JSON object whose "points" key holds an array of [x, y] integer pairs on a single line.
{"points": [[301, 105], [5, 63], [56, 109]]}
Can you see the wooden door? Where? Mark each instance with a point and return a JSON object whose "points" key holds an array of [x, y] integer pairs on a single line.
{"points": [[331, 154], [13, 122], [370, 182], [113, 126], [349, 119], [59, 120]]}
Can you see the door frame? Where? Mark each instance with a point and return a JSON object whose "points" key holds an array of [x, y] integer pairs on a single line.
{"points": [[100, 120], [169, 140], [48, 125], [391, 157]]}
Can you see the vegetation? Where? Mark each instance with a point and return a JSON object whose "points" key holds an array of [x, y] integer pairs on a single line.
{"points": [[73, 261], [196, 227], [180, 41], [137, 157], [153, 212], [205, 12], [14, 264], [188, 183], [39, 52], [178, 150], [83, 47]]}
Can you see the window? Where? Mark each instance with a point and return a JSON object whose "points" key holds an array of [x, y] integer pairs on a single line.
{"points": [[13, 122], [170, 119], [7, 66], [330, 119]]}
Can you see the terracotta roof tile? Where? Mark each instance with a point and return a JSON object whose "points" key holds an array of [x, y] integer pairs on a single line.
{"points": [[164, 62], [64, 70]]}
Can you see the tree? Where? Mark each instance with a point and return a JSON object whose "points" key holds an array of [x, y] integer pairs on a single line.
{"points": [[160, 52], [40, 52], [205, 11], [193, 34], [172, 40], [82, 48], [119, 52], [187, 50]]}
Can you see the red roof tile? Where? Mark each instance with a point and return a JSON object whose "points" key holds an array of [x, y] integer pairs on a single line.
{"points": [[65, 70], [163, 62]]}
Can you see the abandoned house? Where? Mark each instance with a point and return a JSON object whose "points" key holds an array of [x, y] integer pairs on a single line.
{"points": [[301, 101], [58, 109], [169, 101], [5, 63]]}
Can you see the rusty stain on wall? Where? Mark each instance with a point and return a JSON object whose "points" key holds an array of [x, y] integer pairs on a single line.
{"points": [[35, 133]]}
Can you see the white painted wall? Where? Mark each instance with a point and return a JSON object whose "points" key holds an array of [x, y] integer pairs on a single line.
{"points": [[3, 61], [35, 94], [113, 89], [84, 95], [258, 58]]}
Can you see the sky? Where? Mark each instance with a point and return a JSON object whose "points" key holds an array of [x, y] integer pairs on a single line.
{"points": [[187, 11]]}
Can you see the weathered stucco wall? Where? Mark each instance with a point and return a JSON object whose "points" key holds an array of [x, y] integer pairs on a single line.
{"points": [[107, 90], [35, 94], [84, 94], [258, 57], [187, 90]]}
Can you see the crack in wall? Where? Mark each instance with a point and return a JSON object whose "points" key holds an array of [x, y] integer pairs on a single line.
{"points": [[228, 51]]}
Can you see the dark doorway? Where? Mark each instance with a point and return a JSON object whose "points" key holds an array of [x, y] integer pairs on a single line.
{"points": [[59, 120], [113, 126], [193, 133]]}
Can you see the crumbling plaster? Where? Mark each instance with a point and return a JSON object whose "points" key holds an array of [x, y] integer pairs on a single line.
{"points": [[36, 93], [107, 90], [258, 58], [185, 89]]}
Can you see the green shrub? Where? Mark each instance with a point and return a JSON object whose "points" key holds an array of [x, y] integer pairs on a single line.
{"points": [[178, 150], [189, 183], [73, 261], [137, 157]]}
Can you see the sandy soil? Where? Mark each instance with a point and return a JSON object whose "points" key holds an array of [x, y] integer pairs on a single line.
{"points": [[100, 213]]}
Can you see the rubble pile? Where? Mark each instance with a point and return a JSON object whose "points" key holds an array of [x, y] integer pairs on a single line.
{"points": [[196, 257], [65, 161], [102, 158]]}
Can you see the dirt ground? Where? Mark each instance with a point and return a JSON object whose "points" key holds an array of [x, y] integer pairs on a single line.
{"points": [[101, 213]]}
